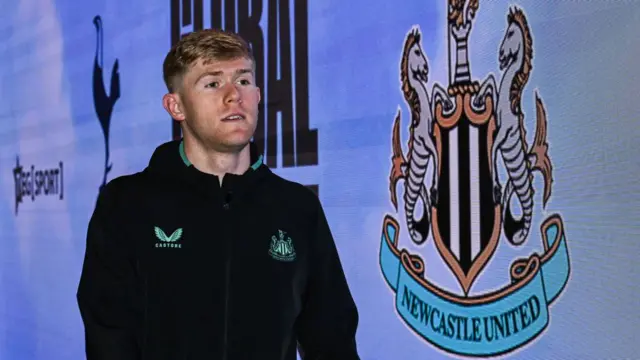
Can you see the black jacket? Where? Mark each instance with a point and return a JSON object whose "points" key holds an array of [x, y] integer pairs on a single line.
{"points": [[178, 267]]}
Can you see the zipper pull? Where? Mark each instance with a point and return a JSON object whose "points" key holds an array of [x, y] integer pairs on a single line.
{"points": [[227, 200]]}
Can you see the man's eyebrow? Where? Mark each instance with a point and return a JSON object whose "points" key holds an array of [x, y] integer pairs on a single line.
{"points": [[244, 71], [208, 73], [220, 72]]}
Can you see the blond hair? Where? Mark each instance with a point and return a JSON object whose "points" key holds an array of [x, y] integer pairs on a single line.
{"points": [[206, 45]]}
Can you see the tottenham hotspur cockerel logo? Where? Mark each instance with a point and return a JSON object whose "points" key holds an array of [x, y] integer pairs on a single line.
{"points": [[102, 102], [467, 164]]}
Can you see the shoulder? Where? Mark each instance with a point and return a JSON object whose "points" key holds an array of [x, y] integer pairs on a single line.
{"points": [[121, 191], [125, 184], [292, 192], [297, 200]]}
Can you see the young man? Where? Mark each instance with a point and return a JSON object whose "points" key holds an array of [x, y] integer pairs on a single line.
{"points": [[207, 254]]}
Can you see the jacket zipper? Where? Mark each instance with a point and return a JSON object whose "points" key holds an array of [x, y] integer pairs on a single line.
{"points": [[225, 206]]}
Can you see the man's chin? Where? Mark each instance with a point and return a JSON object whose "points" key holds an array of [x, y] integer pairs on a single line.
{"points": [[232, 142]]}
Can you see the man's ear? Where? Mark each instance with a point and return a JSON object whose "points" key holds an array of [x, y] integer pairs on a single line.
{"points": [[173, 105]]}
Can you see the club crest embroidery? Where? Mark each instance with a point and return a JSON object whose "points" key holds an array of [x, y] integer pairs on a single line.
{"points": [[467, 172], [282, 248]]}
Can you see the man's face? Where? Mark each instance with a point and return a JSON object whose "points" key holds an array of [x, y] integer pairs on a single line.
{"points": [[219, 103]]}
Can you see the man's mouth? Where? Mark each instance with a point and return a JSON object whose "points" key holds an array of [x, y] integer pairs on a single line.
{"points": [[233, 117]]}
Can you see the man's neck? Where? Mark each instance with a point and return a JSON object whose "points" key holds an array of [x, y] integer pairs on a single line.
{"points": [[215, 162]]}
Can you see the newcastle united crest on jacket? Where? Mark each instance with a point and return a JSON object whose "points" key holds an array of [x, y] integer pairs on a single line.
{"points": [[468, 175]]}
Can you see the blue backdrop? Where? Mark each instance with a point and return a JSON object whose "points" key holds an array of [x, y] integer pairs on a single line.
{"points": [[567, 292]]}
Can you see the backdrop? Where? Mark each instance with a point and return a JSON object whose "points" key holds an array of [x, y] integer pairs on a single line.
{"points": [[509, 128]]}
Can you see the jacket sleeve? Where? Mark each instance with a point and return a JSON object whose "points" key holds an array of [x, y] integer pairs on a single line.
{"points": [[329, 318], [106, 288]]}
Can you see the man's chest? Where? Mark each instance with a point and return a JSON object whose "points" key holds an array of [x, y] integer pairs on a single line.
{"points": [[203, 248]]}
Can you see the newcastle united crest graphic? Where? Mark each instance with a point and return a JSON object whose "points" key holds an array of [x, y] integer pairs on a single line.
{"points": [[473, 136]]}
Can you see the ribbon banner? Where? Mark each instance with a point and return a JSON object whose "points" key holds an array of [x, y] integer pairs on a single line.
{"points": [[486, 325]]}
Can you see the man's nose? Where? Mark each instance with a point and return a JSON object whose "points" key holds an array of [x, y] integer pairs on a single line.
{"points": [[232, 94]]}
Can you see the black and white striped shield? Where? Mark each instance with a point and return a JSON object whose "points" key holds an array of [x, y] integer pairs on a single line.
{"points": [[465, 219]]}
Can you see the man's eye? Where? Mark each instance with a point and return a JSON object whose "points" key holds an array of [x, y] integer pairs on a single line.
{"points": [[245, 82], [214, 84]]}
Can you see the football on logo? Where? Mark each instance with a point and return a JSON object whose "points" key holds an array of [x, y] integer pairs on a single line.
{"points": [[472, 136]]}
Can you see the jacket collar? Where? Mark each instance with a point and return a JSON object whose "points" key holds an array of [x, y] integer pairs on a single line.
{"points": [[170, 163], [256, 157]]}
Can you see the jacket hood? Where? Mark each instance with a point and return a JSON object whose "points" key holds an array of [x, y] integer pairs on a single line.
{"points": [[169, 161]]}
